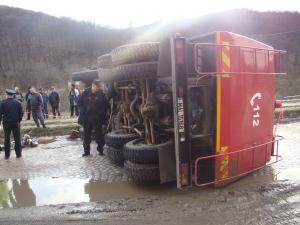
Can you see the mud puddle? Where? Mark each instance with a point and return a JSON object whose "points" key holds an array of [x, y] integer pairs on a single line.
{"points": [[53, 191]]}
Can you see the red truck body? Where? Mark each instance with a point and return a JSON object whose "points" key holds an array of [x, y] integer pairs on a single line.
{"points": [[243, 86]]}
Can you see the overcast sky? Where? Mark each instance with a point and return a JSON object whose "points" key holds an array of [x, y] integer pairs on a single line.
{"points": [[121, 13]]}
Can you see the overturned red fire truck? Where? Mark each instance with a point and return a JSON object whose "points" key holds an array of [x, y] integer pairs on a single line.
{"points": [[196, 110]]}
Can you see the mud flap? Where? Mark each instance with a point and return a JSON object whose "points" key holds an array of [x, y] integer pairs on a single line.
{"points": [[167, 164]]}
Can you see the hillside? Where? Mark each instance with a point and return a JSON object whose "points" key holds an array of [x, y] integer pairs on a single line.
{"points": [[40, 49]]}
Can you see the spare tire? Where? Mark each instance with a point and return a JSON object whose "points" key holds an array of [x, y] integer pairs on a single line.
{"points": [[137, 151], [142, 172], [136, 71], [104, 61], [118, 138], [132, 53], [114, 154], [86, 76]]}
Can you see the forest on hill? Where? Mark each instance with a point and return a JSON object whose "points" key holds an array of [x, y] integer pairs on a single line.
{"points": [[43, 50]]}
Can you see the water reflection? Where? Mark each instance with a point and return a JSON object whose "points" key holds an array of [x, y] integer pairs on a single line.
{"points": [[4, 194], [104, 191], [45, 191], [21, 194], [16, 193]]}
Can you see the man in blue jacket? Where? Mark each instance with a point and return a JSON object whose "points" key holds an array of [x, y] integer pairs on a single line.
{"points": [[11, 114]]}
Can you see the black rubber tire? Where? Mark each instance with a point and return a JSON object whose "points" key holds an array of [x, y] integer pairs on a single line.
{"points": [[115, 154], [136, 71], [142, 173], [137, 151], [118, 138], [105, 74], [133, 53], [86, 76], [104, 61]]}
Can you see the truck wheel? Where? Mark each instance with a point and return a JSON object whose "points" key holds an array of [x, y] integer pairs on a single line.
{"points": [[136, 71], [114, 154], [118, 138], [86, 76], [142, 173], [132, 53], [137, 151], [104, 61]]}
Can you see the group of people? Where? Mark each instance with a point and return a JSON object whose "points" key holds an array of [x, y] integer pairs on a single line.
{"points": [[37, 103], [91, 106], [11, 113]]}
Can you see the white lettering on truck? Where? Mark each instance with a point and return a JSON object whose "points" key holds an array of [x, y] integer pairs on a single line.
{"points": [[255, 108]]}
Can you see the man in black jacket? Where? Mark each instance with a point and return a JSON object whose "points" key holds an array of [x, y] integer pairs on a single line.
{"points": [[94, 106], [54, 102], [11, 114]]}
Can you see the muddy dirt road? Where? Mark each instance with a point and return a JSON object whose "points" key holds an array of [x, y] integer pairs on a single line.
{"points": [[73, 190]]}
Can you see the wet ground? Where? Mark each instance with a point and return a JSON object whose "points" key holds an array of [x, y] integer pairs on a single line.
{"points": [[60, 159], [70, 189]]}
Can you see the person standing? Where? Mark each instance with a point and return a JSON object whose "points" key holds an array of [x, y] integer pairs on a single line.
{"points": [[11, 114], [18, 95], [45, 103], [27, 99], [73, 100], [36, 105], [94, 106], [54, 102]]}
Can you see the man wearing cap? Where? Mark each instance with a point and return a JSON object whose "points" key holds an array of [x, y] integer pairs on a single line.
{"points": [[11, 114], [94, 106]]}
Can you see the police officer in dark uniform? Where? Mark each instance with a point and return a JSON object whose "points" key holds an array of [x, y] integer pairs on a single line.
{"points": [[11, 114], [93, 114]]}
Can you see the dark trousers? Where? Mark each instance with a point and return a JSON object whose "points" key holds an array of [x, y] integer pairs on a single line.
{"points": [[28, 109], [15, 129], [74, 108], [88, 128], [28, 115], [37, 116], [45, 111], [55, 109]]}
